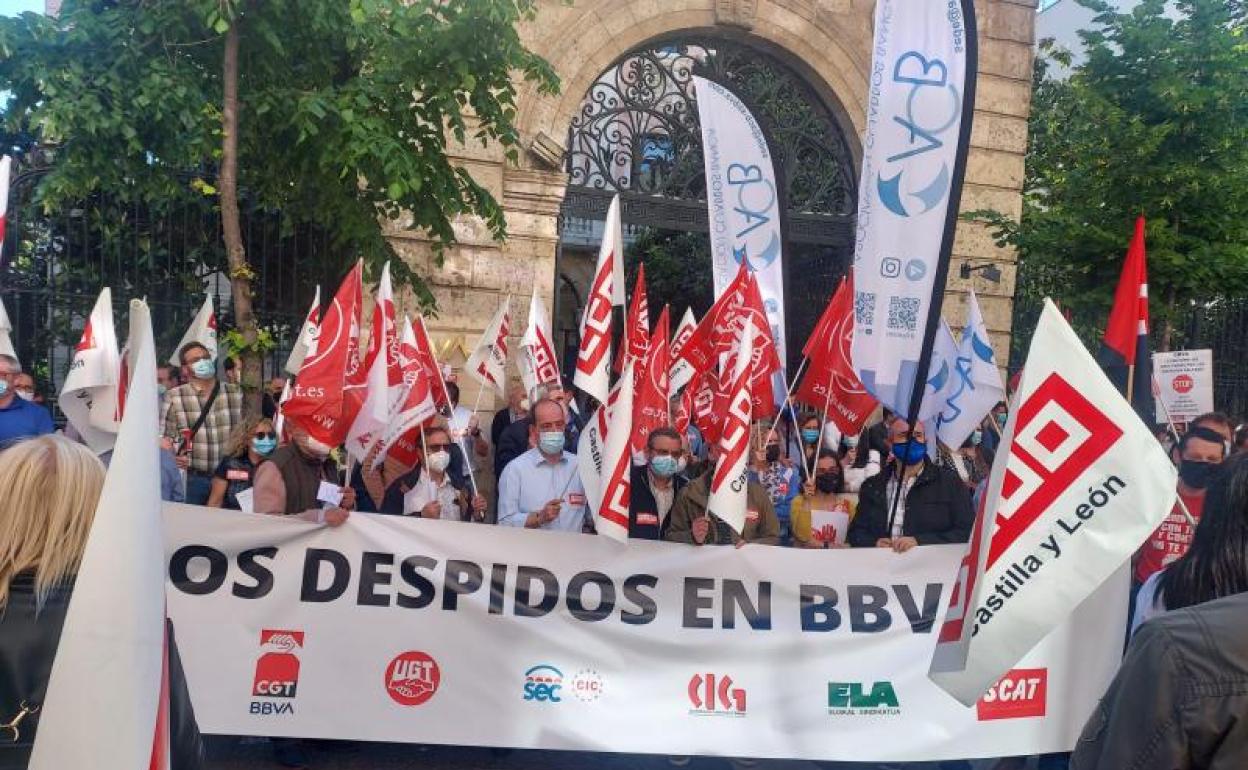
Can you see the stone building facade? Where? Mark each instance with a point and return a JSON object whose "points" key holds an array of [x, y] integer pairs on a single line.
{"points": [[826, 41]]}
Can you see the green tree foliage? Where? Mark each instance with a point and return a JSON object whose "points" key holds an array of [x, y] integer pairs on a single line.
{"points": [[1154, 122], [677, 272]]}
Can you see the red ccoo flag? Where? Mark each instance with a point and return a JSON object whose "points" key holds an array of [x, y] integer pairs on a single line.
{"points": [[830, 377], [637, 326], [650, 404], [320, 389], [1124, 352]]}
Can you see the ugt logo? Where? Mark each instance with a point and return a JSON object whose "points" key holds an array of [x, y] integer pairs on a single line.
{"points": [[852, 698], [932, 107], [715, 695]]}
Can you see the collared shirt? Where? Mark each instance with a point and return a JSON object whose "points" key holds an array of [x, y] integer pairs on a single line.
{"points": [[530, 481], [426, 491], [663, 496], [899, 522], [23, 419], [208, 446]]}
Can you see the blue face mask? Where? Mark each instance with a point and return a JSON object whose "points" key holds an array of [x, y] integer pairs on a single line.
{"points": [[910, 452], [810, 435], [551, 442], [204, 368], [663, 466], [977, 437], [264, 446], [1000, 418], [4, 388]]}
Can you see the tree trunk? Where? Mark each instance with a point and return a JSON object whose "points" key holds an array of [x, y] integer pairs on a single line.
{"points": [[1167, 328], [231, 228]]}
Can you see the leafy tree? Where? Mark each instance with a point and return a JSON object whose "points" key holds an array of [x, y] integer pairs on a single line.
{"points": [[1154, 122], [335, 112], [677, 272]]}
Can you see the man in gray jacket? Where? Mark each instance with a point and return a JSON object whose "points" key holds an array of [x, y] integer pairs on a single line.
{"points": [[1180, 699]]}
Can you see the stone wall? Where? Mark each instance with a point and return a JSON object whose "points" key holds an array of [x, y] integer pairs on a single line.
{"points": [[828, 41]]}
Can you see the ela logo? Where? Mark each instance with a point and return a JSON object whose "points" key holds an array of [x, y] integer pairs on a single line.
{"points": [[277, 671], [852, 698], [542, 684], [712, 695], [412, 678], [1019, 694]]}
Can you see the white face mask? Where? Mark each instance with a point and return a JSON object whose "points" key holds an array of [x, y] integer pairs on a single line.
{"points": [[26, 395], [315, 447], [438, 461]]}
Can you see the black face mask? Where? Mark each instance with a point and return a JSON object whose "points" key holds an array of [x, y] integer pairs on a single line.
{"points": [[773, 454], [1196, 474], [827, 483]]}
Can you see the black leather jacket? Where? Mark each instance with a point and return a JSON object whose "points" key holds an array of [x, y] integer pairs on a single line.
{"points": [[938, 508], [28, 645]]}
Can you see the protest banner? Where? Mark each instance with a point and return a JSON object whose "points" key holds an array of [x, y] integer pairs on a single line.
{"points": [[1184, 384], [390, 627]]}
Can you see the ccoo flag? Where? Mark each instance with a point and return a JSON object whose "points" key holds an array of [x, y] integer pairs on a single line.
{"points": [[918, 131], [727, 498], [830, 381], [593, 356], [203, 329], [89, 395], [537, 362], [488, 362], [682, 371], [305, 343], [1082, 484], [384, 376]]}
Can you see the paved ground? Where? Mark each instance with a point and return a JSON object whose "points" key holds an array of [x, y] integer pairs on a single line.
{"points": [[233, 755]]}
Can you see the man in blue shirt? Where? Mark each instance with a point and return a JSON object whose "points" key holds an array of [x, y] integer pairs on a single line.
{"points": [[541, 489], [19, 418]]}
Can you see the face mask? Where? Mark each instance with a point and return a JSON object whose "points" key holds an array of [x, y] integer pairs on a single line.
{"points": [[851, 442], [773, 454], [204, 368], [977, 436], [524, 405], [4, 388], [1196, 474], [551, 442], [161, 390], [316, 448], [264, 446], [663, 466], [681, 464], [827, 482], [910, 452], [1000, 418], [810, 435], [439, 460], [26, 395]]}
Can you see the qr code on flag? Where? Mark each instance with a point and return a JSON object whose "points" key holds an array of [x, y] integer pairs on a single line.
{"points": [[864, 309], [903, 313]]}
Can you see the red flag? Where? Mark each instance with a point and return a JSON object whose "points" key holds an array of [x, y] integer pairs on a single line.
{"points": [[415, 405], [700, 349], [702, 393], [1126, 335], [684, 411], [320, 398], [429, 363], [766, 359], [650, 404], [830, 377], [727, 497], [637, 327]]}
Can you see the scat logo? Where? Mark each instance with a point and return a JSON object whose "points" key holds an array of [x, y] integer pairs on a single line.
{"points": [[543, 684], [1020, 694]]}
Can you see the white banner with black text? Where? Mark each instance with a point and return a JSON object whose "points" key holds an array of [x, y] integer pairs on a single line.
{"points": [[409, 630]]}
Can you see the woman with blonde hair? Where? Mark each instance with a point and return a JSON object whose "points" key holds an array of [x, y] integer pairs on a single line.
{"points": [[52, 486], [250, 443]]}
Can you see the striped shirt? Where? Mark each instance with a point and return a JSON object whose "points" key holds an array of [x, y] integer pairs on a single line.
{"points": [[183, 405]]}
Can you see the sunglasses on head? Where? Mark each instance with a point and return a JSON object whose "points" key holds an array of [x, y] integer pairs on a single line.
{"points": [[266, 434]]}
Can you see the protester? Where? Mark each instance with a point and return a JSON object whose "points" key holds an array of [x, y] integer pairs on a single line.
{"points": [[434, 495], [967, 462], [1200, 451], [172, 490], [1216, 563], [1217, 422], [19, 418], [994, 425], [691, 522], [465, 428], [822, 493], [777, 476], [934, 506], [291, 482], [515, 438], [199, 418], [1179, 700], [860, 461], [52, 486], [24, 387], [811, 434], [272, 397], [656, 485], [541, 489], [514, 412], [251, 443], [167, 378]]}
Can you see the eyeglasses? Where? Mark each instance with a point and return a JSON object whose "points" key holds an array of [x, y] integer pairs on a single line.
{"points": [[265, 434], [438, 447]]}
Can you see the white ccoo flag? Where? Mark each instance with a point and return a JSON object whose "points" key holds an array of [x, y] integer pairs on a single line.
{"points": [[682, 371], [385, 378], [593, 357], [537, 362], [109, 683], [1081, 486], [975, 385], [728, 482], [202, 330], [305, 343], [89, 396], [415, 403], [611, 506], [6, 331], [488, 362]]}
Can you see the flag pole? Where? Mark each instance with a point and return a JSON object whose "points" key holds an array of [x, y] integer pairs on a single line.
{"points": [[827, 402], [424, 452], [788, 395], [1169, 421], [1130, 384]]}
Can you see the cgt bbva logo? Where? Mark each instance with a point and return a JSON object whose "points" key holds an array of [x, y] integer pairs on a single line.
{"points": [[277, 671], [543, 684], [712, 695], [929, 119], [853, 699]]}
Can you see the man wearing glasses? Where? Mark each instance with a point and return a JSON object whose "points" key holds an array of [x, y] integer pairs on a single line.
{"points": [[656, 485], [19, 418], [434, 496], [200, 416]]}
